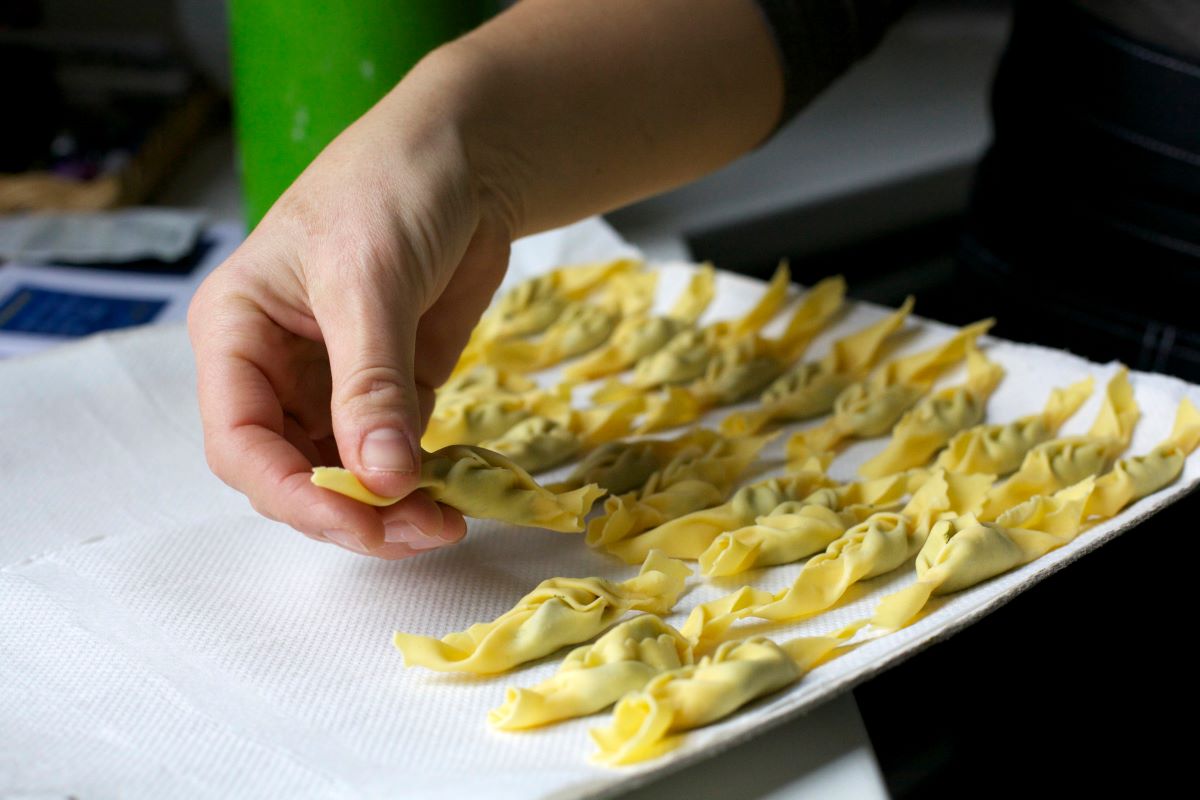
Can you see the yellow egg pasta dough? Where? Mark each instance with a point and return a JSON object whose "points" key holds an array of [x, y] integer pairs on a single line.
{"points": [[999, 448], [1059, 463], [594, 676], [963, 552], [647, 723], [689, 535], [1137, 476], [484, 379], [482, 484], [559, 612], [870, 407], [809, 389], [929, 498], [533, 305], [930, 424], [686, 355], [792, 531], [640, 336], [537, 443], [744, 366], [877, 545], [580, 327], [623, 466], [475, 418], [692, 480]]}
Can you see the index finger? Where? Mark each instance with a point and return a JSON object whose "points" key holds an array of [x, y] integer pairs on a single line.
{"points": [[246, 447]]}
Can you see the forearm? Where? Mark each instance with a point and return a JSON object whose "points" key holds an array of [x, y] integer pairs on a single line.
{"points": [[572, 108]]}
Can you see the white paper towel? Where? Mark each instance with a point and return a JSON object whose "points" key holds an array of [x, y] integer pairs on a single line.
{"points": [[163, 640]]}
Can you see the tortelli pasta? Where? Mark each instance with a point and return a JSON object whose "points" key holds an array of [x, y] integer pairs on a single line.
{"points": [[627, 517], [878, 545], [789, 533], [581, 326], [533, 305], [476, 418], [686, 355], [928, 495], [641, 335], [559, 612], [691, 534], [484, 379], [623, 466], [744, 366], [796, 529], [999, 448], [930, 424], [1137, 476], [1059, 463], [691, 480], [595, 676], [538, 443], [646, 724], [479, 483], [870, 407], [963, 552], [809, 389]]}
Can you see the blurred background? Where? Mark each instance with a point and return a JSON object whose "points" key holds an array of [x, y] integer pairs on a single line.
{"points": [[126, 103]]}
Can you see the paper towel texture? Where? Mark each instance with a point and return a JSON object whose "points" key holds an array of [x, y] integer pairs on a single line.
{"points": [[163, 640]]}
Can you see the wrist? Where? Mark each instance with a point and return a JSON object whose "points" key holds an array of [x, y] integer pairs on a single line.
{"points": [[453, 83]]}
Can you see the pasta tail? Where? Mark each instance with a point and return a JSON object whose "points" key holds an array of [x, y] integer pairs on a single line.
{"points": [[620, 520], [899, 608], [608, 423], [744, 423], [809, 651], [814, 312], [924, 367], [661, 580], [696, 297], [672, 407], [1063, 403], [518, 355], [577, 503], [728, 555], [768, 304], [640, 724], [614, 391], [1119, 413], [519, 708], [1185, 433], [858, 352]]}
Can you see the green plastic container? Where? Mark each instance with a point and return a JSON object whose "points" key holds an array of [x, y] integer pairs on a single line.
{"points": [[304, 69]]}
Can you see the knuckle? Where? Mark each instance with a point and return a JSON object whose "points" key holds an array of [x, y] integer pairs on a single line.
{"points": [[216, 461], [372, 386], [263, 508]]}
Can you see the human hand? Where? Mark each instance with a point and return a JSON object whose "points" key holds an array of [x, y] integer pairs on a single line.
{"points": [[321, 339]]}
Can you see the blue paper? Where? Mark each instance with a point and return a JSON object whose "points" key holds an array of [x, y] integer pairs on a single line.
{"points": [[50, 312]]}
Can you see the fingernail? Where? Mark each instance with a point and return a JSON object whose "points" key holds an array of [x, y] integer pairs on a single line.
{"points": [[346, 539], [388, 450], [411, 535]]}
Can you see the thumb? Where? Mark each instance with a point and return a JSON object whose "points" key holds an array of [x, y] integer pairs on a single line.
{"points": [[375, 410]]}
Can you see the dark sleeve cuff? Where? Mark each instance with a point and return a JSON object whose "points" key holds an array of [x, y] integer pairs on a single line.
{"points": [[818, 40]]}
